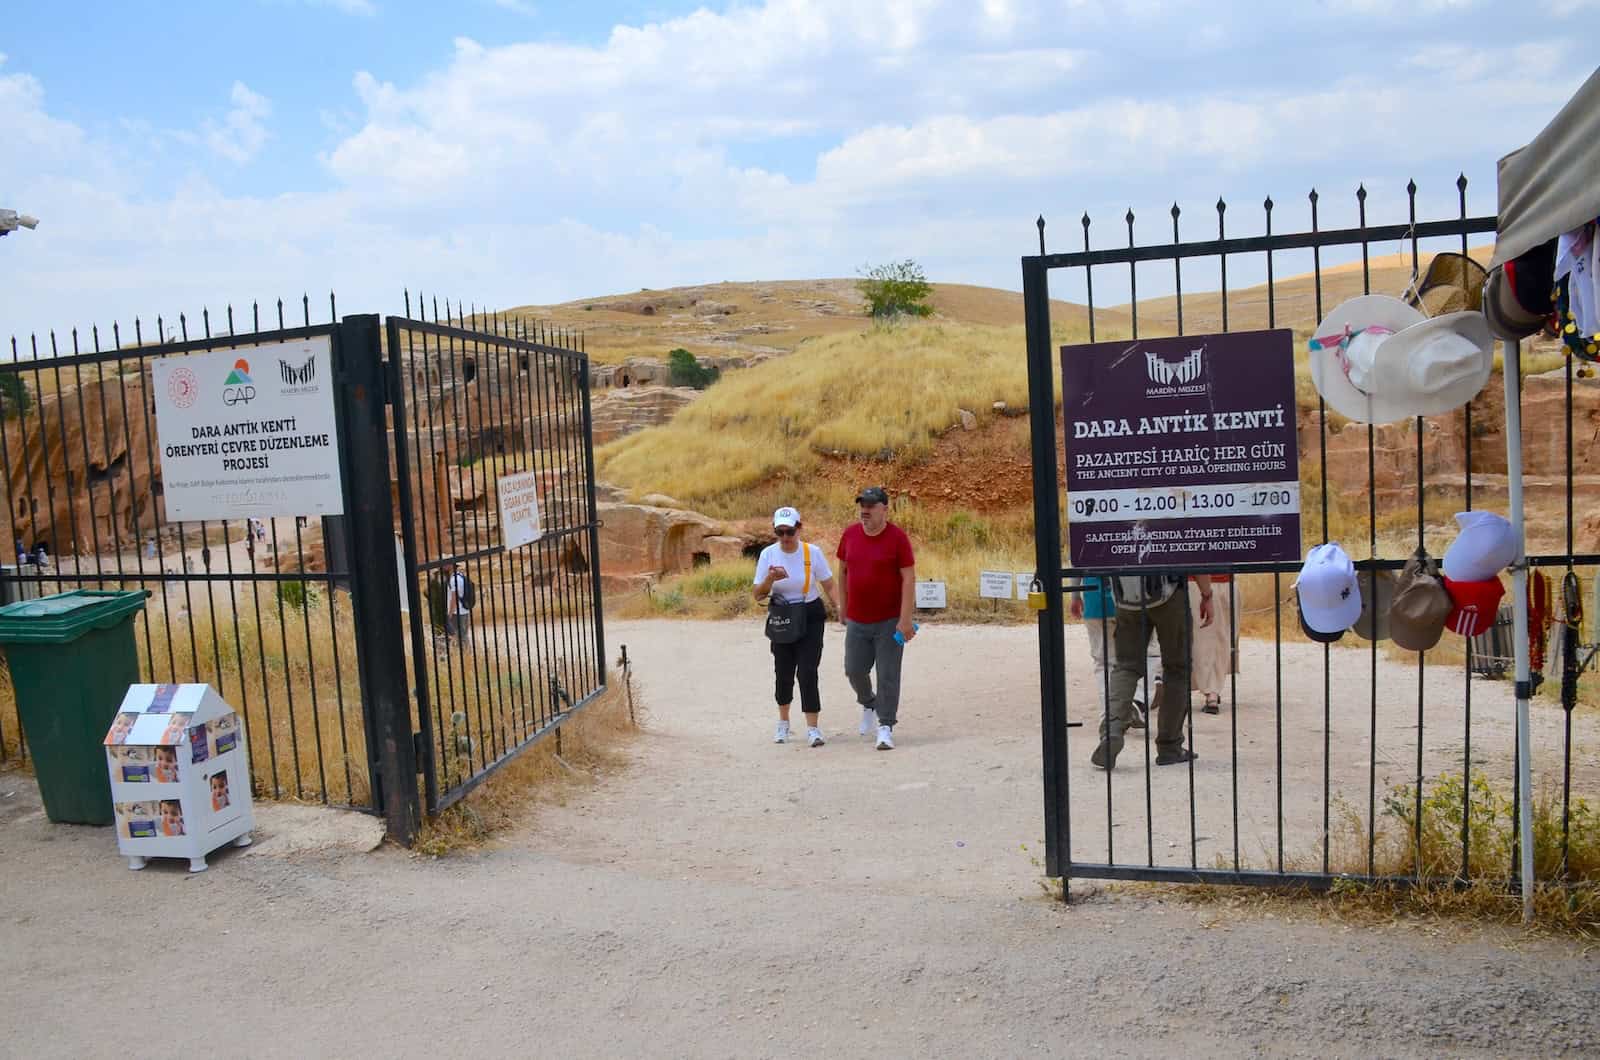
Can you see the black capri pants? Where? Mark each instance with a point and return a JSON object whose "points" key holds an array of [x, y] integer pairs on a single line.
{"points": [[801, 659]]}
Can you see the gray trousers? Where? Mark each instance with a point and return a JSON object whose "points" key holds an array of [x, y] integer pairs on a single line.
{"points": [[869, 644], [1169, 619]]}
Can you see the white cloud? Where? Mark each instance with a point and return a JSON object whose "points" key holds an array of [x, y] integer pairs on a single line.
{"points": [[520, 7], [242, 131], [792, 138]]}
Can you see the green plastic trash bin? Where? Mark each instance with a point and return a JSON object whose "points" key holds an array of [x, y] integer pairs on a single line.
{"points": [[72, 658]]}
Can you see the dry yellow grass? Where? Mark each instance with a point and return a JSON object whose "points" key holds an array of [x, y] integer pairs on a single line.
{"points": [[881, 393], [297, 751], [1566, 900]]}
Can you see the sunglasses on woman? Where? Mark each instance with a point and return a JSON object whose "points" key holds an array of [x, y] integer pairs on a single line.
{"points": [[784, 531]]}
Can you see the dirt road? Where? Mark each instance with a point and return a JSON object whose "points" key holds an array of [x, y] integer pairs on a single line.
{"points": [[725, 896]]}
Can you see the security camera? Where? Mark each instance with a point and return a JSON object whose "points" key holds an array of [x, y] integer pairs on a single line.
{"points": [[11, 220]]}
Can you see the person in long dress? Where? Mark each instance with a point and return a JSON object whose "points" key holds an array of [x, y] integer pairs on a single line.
{"points": [[1215, 646]]}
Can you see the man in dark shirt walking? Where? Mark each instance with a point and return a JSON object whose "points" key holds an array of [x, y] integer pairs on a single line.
{"points": [[877, 583]]}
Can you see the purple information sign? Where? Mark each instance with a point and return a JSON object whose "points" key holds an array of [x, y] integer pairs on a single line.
{"points": [[1180, 452]]}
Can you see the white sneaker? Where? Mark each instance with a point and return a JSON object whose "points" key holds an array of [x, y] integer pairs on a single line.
{"points": [[814, 737], [782, 734], [885, 738], [869, 721]]}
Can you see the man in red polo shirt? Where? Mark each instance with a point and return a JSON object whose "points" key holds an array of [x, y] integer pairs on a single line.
{"points": [[877, 589]]}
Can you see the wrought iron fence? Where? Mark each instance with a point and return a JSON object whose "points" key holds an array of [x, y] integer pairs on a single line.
{"points": [[260, 610], [1228, 823], [298, 626], [482, 400]]}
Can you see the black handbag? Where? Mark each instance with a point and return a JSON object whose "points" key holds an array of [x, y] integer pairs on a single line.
{"points": [[786, 622]]}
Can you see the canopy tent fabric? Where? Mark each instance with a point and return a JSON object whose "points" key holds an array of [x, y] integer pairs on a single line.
{"points": [[1552, 185]]}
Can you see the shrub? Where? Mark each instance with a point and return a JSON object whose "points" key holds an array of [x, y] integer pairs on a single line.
{"points": [[688, 371], [721, 580], [14, 394], [296, 594], [895, 290], [670, 602]]}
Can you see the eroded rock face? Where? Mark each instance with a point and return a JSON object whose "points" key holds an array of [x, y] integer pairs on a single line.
{"points": [[89, 480], [640, 542], [623, 411], [1444, 442]]}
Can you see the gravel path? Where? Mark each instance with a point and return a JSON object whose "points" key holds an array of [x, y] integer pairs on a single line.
{"points": [[724, 896]]}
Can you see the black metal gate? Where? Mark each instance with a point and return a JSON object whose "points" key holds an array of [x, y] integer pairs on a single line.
{"points": [[304, 637], [476, 400], [1238, 812], [254, 609]]}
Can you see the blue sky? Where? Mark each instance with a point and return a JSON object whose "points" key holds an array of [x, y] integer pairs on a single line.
{"points": [[519, 151]]}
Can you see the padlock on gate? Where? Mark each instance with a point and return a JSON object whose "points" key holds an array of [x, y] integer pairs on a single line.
{"points": [[1036, 598]]}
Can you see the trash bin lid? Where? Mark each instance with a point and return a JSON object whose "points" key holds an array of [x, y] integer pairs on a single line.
{"points": [[65, 617]]}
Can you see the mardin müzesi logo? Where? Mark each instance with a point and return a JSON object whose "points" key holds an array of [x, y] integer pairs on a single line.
{"points": [[238, 389], [1173, 373], [300, 376]]}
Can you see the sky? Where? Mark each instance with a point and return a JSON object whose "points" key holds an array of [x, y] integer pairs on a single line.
{"points": [[182, 155]]}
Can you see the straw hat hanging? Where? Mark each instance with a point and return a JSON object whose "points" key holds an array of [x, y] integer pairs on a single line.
{"points": [[1453, 283]]}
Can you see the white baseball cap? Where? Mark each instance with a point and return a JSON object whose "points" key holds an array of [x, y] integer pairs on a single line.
{"points": [[786, 516], [1485, 546], [1330, 598]]}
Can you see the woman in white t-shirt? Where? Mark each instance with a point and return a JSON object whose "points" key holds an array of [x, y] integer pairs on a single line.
{"points": [[781, 573]]}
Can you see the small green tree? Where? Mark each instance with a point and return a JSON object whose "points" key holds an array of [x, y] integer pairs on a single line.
{"points": [[895, 290], [688, 371], [14, 394]]}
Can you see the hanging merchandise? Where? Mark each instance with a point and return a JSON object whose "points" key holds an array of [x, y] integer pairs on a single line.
{"points": [[1377, 597], [1517, 296], [1375, 359], [1473, 605], [1485, 545], [1577, 299], [1453, 283], [1584, 345], [1327, 593], [1344, 353], [1420, 606], [1438, 365], [1571, 637], [1538, 620]]}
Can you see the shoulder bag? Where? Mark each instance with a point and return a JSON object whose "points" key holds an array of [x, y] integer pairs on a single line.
{"points": [[786, 622]]}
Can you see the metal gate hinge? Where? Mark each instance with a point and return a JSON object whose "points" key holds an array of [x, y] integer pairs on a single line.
{"points": [[419, 749]]}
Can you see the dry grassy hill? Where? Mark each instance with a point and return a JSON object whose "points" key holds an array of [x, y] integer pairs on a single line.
{"points": [[763, 317], [856, 404]]}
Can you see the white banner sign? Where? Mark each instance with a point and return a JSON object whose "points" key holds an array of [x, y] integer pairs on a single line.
{"points": [[995, 584], [519, 509], [249, 432], [930, 594], [1024, 583]]}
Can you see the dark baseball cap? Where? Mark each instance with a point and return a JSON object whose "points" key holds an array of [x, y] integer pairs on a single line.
{"points": [[873, 495]]}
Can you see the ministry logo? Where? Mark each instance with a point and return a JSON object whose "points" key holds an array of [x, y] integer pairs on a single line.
{"points": [[300, 376], [1174, 373]]}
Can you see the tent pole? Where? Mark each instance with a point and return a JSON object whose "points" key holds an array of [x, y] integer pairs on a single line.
{"points": [[1519, 605]]}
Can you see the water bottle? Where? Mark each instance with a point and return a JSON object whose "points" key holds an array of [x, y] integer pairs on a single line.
{"points": [[900, 638]]}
